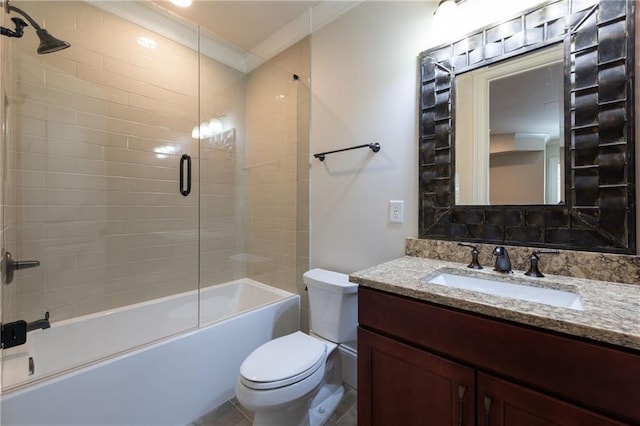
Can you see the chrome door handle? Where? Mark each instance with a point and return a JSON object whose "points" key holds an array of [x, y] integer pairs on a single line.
{"points": [[8, 266]]}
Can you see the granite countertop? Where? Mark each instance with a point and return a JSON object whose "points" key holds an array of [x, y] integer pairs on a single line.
{"points": [[611, 311]]}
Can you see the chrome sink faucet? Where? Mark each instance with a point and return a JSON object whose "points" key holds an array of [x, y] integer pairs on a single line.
{"points": [[503, 263]]}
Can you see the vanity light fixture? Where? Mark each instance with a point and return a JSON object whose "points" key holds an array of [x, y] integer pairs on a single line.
{"points": [[202, 131], [208, 129], [446, 7], [215, 126]]}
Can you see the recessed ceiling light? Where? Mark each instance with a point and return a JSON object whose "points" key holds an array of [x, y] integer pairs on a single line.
{"points": [[181, 3]]}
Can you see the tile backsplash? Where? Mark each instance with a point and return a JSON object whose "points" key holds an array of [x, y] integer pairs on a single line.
{"points": [[579, 264]]}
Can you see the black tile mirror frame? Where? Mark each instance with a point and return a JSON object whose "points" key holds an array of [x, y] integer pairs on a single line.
{"points": [[599, 211]]}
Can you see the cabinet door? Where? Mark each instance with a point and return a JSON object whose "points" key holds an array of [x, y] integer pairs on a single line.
{"points": [[401, 385], [501, 403]]}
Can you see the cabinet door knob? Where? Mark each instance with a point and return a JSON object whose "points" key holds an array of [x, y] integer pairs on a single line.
{"points": [[461, 391]]}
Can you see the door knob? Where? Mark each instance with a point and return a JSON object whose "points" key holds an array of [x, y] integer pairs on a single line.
{"points": [[8, 266]]}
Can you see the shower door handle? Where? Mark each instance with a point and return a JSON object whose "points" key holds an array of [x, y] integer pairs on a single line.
{"points": [[8, 266], [185, 159]]}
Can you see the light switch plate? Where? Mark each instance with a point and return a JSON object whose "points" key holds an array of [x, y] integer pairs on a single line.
{"points": [[396, 211]]}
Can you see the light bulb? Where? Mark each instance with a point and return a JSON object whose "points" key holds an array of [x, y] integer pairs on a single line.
{"points": [[445, 9], [215, 126]]}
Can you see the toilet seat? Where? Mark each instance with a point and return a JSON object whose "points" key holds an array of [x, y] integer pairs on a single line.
{"points": [[283, 361]]}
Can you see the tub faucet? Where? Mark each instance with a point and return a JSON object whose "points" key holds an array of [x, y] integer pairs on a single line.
{"points": [[503, 263], [40, 324]]}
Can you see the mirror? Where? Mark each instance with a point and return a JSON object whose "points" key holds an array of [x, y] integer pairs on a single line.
{"points": [[510, 150], [588, 203]]}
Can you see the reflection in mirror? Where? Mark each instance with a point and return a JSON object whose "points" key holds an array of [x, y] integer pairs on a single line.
{"points": [[510, 131]]}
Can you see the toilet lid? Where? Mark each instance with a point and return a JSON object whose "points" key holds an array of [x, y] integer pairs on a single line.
{"points": [[283, 361]]}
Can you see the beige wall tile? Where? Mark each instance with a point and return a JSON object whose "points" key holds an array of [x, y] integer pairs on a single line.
{"points": [[81, 87], [185, 112], [28, 179], [48, 112], [86, 182], [57, 98], [31, 74], [80, 54], [31, 126], [139, 87]]}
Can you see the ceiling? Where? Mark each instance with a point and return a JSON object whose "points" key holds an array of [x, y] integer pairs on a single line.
{"points": [[243, 23], [241, 34], [529, 102]]}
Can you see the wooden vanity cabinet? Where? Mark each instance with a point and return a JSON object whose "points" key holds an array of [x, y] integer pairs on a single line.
{"points": [[408, 386], [501, 402], [426, 364]]}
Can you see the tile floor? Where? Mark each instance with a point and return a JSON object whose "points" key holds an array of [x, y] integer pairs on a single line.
{"points": [[231, 413]]}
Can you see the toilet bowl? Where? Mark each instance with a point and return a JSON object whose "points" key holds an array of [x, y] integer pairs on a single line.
{"points": [[296, 380], [283, 394]]}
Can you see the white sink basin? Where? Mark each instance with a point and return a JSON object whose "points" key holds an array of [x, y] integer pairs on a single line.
{"points": [[547, 296]]}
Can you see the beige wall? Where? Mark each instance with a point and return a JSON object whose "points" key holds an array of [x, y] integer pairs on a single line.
{"points": [[364, 76], [516, 177], [277, 123], [95, 138]]}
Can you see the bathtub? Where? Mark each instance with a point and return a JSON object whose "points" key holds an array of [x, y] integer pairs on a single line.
{"points": [[170, 381]]}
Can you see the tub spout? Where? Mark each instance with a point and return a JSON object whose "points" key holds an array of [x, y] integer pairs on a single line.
{"points": [[40, 324]]}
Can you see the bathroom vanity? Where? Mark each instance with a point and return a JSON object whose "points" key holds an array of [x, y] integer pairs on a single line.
{"points": [[437, 355]]}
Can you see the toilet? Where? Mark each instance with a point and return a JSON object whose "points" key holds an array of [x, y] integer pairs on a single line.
{"points": [[296, 380]]}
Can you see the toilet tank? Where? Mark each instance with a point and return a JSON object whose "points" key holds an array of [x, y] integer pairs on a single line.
{"points": [[333, 304]]}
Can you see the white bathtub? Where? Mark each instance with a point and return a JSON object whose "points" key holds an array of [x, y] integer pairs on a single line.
{"points": [[170, 382]]}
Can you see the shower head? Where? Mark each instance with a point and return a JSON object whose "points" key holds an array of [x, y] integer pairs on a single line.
{"points": [[48, 43]]}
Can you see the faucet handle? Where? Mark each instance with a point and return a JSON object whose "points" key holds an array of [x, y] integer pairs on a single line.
{"points": [[534, 259], [474, 256]]}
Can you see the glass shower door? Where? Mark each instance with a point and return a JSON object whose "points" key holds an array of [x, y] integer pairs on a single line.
{"points": [[96, 140], [249, 171]]}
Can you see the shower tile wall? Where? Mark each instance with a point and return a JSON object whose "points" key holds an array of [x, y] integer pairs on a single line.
{"points": [[278, 170], [223, 192], [95, 134]]}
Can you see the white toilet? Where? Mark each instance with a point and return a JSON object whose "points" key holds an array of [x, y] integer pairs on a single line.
{"points": [[296, 379]]}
